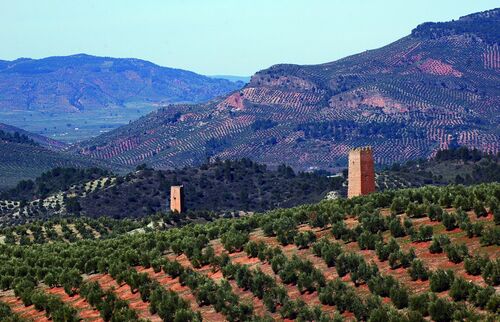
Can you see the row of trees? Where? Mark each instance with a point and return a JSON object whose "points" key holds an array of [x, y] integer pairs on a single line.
{"points": [[87, 228], [35, 263], [7, 315]]}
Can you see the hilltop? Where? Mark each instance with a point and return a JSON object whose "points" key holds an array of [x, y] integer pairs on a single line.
{"points": [[433, 89]]}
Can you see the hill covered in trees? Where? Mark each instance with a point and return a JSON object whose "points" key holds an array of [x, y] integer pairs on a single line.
{"points": [[452, 166], [408, 255], [221, 186], [430, 90]]}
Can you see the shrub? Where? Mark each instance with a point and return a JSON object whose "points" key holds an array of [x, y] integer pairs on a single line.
{"points": [[304, 239], [253, 249], [382, 285], [415, 210], [399, 297], [491, 236], [384, 250], [363, 273], [480, 296], [368, 240], [347, 262], [286, 229], [373, 222], [396, 228], [496, 215], [462, 202], [234, 240], [420, 303], [449, 221], [327, 251], [418, 271], [340, 231], [424, 233], [460, 289], [456, 252], [400, 258], [70, 280], [441, 310], [491, 272], [473, 265], [441, 280], [479, 209], [398, 205], [435, 212], [473, 229], [438, 243]]}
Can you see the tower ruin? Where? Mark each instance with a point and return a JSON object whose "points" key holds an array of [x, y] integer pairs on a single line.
{"points": [[177, 199], [361, 172]]}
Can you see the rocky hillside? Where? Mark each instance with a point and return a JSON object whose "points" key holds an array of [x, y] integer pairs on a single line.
{"points": [[79, 82], [436, 88]]}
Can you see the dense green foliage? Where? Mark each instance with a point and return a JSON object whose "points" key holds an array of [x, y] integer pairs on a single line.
{"points": [[217, 186], [483, 25]]}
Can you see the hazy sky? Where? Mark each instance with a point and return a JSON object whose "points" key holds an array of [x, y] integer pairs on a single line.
{"points": [[216, 36]]}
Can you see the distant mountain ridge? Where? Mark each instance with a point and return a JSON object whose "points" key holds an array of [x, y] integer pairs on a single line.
{"points": [[431, 90], [79, 82]]}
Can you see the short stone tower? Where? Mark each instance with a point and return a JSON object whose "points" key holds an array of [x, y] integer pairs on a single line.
{"points": [[177, 199], [361, 172]]}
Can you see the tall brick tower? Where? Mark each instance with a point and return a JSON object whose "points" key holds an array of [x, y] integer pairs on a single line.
{"points": [[361, 172], [177, 199]]}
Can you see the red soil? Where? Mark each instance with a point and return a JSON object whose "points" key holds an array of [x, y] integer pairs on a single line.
{"points": [[85, 311], [18, 307], [208, 313], [124, 292]]}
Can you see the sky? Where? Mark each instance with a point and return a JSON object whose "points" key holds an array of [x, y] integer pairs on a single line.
{"points": [[216, 37]]}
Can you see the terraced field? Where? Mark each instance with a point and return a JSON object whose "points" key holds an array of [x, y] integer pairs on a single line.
{"points": [[408, 100], [389, 255]]}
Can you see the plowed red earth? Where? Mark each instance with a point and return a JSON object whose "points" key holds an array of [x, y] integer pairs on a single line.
{"points": [[124, 292], [85, 311], [208, 313], [18, 307]]}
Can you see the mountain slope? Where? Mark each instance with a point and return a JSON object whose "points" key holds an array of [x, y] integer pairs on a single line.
{"points": [[39, 139], [79, 82], [433, 89], [28, 155]]}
